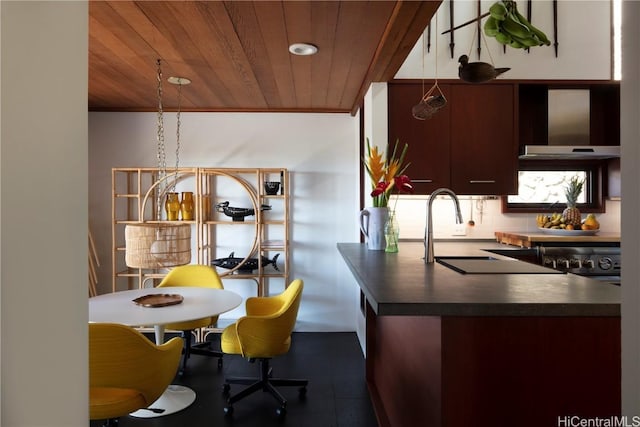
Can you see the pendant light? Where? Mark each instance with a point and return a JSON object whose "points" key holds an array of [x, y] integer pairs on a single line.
{"points": [[160, 244]]}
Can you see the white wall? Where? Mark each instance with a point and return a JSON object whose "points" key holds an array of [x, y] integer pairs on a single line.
{"points": [[582, 28], [321, 153], [487, 215], [44, 372]]}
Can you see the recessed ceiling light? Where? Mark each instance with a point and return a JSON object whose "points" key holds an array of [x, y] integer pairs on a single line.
{"points": [[179, 80], [303, 49]]}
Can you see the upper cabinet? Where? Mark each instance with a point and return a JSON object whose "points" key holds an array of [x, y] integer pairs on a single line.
{"points": [[470, 145], [484, 139], [429, 140]]}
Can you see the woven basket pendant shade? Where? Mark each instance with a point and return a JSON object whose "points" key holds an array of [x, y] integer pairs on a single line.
{"points": [[157, 245], [160, 245]]}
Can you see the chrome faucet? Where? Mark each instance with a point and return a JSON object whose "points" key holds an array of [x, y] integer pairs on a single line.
{"points": [[428, 232]]}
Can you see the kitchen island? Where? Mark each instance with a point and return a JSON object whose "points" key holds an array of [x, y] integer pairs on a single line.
{"points": [[459, 350]]}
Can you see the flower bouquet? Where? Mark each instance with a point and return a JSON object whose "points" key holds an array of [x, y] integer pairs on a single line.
{"points": [[386, 173]]}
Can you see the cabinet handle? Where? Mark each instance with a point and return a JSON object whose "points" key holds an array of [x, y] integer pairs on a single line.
{"points": [[482, 181], [422, 180]]}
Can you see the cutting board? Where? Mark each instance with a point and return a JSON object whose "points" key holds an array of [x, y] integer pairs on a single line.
{"points": [[530, 239], [480, 266]]}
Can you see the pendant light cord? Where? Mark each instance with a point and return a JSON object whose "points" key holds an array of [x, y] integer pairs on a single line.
{"points": [[162, 157], [178, 123], [436, 80], [163, 186], [473, 39]]}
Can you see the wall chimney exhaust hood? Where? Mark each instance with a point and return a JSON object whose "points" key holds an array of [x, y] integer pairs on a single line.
{"points": [[568, 130], [570, 152]]}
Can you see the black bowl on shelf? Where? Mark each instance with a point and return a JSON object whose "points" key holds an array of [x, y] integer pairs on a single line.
{"points": [[271, 187]]}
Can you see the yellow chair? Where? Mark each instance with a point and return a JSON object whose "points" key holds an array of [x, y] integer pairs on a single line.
{"points": [[263, 333], [127, 371], [195, 276]]}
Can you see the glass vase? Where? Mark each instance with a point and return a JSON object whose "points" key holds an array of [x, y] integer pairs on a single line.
{"points": [[172, 206], [186, 206], [391, 233]]}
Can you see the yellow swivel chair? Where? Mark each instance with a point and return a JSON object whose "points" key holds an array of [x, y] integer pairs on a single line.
{"points": [[263, 333], [127, 372], [196, 276]]}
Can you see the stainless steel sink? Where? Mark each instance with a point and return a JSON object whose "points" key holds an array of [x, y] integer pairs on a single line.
{"points": [[491, 265]]}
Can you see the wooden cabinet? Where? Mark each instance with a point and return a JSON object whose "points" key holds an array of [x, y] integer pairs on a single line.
{"points": [[262, 234], [484, 148], [429, 140], [469, 146]]}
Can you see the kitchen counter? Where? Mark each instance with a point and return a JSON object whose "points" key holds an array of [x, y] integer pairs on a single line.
{"points": [[529, 239], [402, 284], [446, 349]]}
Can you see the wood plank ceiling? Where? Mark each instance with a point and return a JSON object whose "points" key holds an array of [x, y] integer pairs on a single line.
{"points": [[236, 52]]}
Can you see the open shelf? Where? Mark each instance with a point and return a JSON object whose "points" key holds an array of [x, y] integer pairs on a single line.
{"points": [[214, 235]]}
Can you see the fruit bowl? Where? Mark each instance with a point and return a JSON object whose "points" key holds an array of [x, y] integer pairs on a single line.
{"points": [[563, 232]]}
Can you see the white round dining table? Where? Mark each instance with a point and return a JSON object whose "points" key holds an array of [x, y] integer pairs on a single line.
{"points": [[120, 307]]}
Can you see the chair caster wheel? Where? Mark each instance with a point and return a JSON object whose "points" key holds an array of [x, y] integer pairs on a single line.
{"points": [[228, 410], [226, 389], [281, 412]]}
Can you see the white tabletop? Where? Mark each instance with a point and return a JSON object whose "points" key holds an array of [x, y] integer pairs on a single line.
{"points": [[118, 307]]}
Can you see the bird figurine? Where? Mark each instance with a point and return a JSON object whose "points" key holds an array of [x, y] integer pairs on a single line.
{"points": [[477, 72], [238, 214]]}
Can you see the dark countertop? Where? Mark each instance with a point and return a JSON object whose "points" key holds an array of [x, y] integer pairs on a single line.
{"points": [[402, 284]]}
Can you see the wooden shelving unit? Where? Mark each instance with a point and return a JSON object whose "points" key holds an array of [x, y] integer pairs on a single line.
{"points": [[264, 234], [214, 235]]}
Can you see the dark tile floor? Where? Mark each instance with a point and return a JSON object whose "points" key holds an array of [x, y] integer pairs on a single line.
{"points": [[337, 394]]}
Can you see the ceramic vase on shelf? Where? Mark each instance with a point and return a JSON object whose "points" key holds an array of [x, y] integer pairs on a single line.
{"points": [[391, 233], [206, 207], [186, 206], [172, 206], [372, 221]]}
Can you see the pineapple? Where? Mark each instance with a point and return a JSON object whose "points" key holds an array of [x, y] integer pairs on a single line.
{"points": [[571, 214]]}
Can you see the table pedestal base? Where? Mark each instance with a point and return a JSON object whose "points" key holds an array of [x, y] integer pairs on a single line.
{"points": [[175, 398]]}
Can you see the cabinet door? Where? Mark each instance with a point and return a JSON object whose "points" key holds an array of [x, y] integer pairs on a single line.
{"points": [[484, 148], [428, 139]]}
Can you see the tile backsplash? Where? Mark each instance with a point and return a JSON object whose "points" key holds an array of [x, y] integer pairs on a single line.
{"points": [[487, 215]]}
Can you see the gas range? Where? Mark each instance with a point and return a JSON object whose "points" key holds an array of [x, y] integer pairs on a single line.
{"points": [[600, 262]]}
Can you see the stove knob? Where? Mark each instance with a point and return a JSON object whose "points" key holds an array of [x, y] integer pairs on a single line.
{"points": [[549, 262], [588, 263], [605, 263], [575, 263], [563, 262]]}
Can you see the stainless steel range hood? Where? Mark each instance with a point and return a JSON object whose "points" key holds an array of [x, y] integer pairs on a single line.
{"points": [[570, 152], [568, 130]]}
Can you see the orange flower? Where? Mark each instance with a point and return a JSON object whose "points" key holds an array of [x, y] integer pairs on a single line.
{"points": [[385, 172], [375, 165]]}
